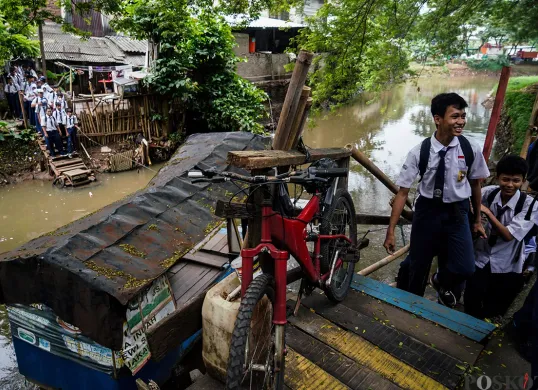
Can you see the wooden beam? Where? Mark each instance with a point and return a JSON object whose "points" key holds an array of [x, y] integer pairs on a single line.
{"points": [[496, 112], [275, 158], [372, 219], [362, 159]]}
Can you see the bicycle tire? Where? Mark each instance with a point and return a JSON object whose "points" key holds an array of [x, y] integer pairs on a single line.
{"points": [[260, 287], [338, 292]]}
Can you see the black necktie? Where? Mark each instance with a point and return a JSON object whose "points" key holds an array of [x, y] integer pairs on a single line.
{"points": [[493, 236], [440, 176]]}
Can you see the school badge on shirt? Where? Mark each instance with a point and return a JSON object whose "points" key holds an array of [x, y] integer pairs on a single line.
{"points": [[461, 176]]}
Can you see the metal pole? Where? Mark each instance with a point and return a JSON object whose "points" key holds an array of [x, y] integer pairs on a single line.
{"points": [[496, 112]]}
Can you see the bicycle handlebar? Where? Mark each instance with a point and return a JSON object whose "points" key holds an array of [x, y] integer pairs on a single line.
{"points": [[310, 174]]}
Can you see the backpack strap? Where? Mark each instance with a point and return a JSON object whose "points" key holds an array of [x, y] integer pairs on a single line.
{"points": [[520, 203], [467, 150], [529, 212], [425, 147], [492, 195]]}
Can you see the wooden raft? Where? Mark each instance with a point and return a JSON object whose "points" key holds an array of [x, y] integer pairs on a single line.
{"points": [[71, 172]]}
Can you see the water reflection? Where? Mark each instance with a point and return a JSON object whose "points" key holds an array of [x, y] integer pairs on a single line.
{"points": [[385, 127]]}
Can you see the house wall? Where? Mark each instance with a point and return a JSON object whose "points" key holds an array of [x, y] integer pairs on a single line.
{"points": [[242, 44], [261, 66]]}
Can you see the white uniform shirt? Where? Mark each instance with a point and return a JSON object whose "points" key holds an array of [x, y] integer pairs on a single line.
{"points": [[60, 116], [457, 187], [10, 88], [49, 123], [506, 256], [62, 101], [30, 91], [40, 110], [71, 121]]}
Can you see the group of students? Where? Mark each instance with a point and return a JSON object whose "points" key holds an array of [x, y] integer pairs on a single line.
{"points": [[483, 238], [45, 107]]}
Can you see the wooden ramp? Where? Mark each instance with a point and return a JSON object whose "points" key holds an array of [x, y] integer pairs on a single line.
{"points": [[380, 338], [67, 172]]}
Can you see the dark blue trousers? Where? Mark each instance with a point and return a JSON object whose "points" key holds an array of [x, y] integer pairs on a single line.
{"points": [[440, 229], [54, 140], [526, 321]]}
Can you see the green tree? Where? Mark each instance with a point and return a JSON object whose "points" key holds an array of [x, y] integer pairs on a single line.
{"points": [[196, 62]]}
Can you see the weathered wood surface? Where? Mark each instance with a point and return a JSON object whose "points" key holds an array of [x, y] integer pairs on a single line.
{"points": [[383, 262], [496, 112], [291, 102], [273, 158]]}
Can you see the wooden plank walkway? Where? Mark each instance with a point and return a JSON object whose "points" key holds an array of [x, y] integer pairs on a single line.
{"points": [[370, 343], [380, 338], [71, 172]]}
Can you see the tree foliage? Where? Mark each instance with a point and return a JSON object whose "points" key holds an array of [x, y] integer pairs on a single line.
{"points": [[196, 62]]}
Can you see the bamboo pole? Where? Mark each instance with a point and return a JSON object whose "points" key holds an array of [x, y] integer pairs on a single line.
{"points": [[374, 170], [302, 124], [298, 119], [496, 112], [291, 102], [23, 111], [532, 128], [383, 262]]}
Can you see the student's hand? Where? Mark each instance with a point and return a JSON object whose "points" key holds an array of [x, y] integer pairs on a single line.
{"points": [[390, 243], [479, 230]]}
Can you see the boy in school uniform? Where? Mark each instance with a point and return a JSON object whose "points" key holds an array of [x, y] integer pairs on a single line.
{"points": [[60, 98], [51, 132], [39, 104], [12, 95], [71, 124], [451, 168], [60, 115], [29, 96], [500, 258]]}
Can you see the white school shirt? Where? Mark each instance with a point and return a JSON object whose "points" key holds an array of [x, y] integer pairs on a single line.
{"points": [[10, 88], [30, 91], [62, 101], [60, 116], [457, 187], [49, 123], [505, 256], [71, 121], [41, 111]]}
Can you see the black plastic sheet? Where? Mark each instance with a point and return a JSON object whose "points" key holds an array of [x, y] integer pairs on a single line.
{"points": [[88, 270]]}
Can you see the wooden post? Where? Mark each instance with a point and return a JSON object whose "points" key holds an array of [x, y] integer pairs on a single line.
{"points": [[383, 262], [71, 83], [298, 119], [23, 111], [302, 123], [374, 170], [496, 112], [530, 129], [291, 102]]}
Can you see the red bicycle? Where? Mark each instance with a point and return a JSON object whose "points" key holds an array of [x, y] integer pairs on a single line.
{"points": [[257, 348]]}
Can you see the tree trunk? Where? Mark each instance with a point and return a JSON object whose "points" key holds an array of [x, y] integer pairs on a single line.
{"points": [[42, 50]]}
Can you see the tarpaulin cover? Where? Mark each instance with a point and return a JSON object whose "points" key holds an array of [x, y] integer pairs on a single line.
{"points": [[88, 270]]}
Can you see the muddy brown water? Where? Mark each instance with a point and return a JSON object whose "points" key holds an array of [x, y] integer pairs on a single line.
{"points": [[385, 127]]}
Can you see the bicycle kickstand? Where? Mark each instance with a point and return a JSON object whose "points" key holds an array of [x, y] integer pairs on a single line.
{"points": [[299, 296]]}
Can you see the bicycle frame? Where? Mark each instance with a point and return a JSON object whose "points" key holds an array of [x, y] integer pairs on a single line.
{"points": [[291, 234]]}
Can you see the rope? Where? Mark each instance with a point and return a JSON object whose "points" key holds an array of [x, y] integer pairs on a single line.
{"points": [[120, 155]]}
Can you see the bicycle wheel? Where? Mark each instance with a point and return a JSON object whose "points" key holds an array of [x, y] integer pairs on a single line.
{"points": [[253, 348], [338, 218]]}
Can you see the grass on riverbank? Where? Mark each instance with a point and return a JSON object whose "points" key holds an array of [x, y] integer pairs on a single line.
{"points": [[518, 106]]}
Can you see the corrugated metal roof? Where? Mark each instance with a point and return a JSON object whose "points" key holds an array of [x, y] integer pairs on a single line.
{"points": [[128, 45], [68, 47], [261, 22]]}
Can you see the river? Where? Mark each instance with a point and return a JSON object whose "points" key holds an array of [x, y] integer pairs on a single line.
{"points": [[385, 127]]}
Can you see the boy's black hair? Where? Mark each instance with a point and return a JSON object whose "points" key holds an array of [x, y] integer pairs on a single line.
{"points": [[512, 164], [444, 100]]}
